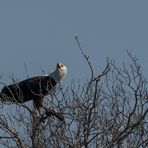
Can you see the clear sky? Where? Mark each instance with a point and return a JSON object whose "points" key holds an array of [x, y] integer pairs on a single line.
{"points": [[41, 33]]}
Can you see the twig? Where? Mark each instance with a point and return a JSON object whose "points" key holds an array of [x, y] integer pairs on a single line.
{"points": [[85, 57]]}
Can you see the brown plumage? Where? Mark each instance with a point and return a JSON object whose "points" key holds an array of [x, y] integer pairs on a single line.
{"points": [[30, 89]]}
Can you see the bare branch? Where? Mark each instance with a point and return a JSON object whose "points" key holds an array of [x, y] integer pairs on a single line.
{"points": [[85, 57]]}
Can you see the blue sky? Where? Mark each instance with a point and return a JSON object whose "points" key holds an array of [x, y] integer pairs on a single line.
{"points": [[41, 33]]}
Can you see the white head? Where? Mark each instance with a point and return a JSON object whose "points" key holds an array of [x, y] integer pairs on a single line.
{"points": [[59, 73]]}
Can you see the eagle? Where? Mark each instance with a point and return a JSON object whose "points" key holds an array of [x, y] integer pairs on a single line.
{"points": [[35, 88]]}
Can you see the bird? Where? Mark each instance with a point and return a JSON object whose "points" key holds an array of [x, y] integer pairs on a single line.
{"points": [[35, 88]]}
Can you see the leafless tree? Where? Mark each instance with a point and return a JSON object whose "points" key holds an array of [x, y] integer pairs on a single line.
{"points": [[109, 110]]}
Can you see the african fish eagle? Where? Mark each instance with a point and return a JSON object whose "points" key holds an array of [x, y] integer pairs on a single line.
{"points": [[35, 88]]}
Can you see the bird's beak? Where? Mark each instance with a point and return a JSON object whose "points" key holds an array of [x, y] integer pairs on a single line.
{"points": [[58, 65]]}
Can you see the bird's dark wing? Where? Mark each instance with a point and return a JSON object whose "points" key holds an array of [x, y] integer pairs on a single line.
{"points": [[30, 89]]}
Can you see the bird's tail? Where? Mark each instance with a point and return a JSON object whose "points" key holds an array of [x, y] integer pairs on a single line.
{"points": [[1, 94], [3, 98]]}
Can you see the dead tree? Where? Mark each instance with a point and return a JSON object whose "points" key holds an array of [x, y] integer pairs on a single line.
{"points": [[109, 110]]}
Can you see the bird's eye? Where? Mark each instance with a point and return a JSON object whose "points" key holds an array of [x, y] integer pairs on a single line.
{"points": [[62, 65]]}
